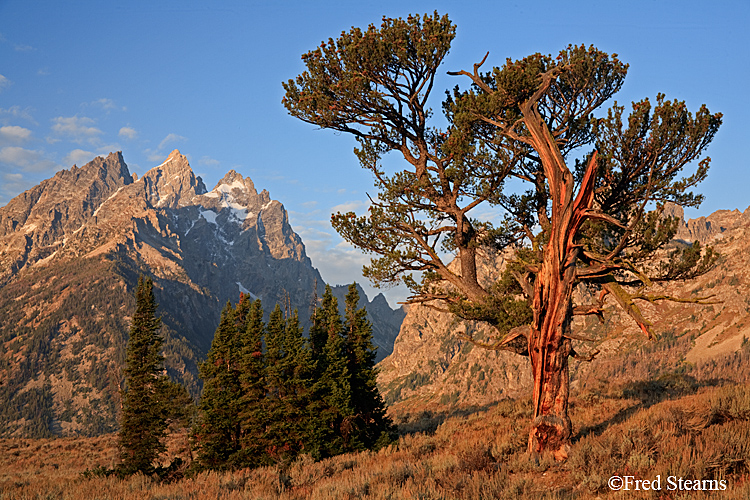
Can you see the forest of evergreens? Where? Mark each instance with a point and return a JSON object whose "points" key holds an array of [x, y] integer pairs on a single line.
{"points": [[269, 393]]}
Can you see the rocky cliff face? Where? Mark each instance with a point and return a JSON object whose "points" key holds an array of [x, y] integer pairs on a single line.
{"points": [[72, 249], [431, 365], [36, 224], [706, 229]]}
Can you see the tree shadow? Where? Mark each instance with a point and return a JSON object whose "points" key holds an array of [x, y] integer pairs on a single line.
{"points": [[648, 393], [427, 421]]}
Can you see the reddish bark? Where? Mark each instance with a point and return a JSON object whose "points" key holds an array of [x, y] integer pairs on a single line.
{"points": [[549, 341]]}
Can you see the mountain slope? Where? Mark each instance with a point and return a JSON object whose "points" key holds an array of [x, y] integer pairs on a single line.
{"points": [[432, 365], [72, 249]]}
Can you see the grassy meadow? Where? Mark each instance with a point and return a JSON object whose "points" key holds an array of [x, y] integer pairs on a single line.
{"points": [[672, 426]]}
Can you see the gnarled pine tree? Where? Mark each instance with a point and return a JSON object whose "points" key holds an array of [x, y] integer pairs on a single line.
{"points": [[596, 220]]}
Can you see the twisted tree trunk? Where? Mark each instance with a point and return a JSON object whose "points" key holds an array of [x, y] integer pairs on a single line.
{"points": [[549, 342], [549, 349]]}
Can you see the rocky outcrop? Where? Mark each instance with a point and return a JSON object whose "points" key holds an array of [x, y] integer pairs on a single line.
{"points": [[37, 223], [431, 364], [706, 229]]}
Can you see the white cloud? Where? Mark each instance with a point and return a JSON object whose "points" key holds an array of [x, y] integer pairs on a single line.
{"points": [[170, 138], [4, 83], [208, 161], [13, 134], [27, 159], [12, 177], [152, 155], [23, 48], [338, 261], [76, 128], [128, 133], [105, 149], [350, 206], [11, 185], [105, 104], [78, 157], [16, 112]]}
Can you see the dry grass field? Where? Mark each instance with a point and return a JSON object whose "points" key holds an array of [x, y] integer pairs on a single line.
{"points": [[672, 426]]}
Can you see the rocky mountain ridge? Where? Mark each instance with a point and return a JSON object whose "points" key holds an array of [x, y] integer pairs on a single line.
{"points": [[432, 366], [71, 250]]}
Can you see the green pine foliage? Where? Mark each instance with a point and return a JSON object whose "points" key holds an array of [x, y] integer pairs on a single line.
{"points": [[269, 394], [296, 390], [371, 428], [332, 410], [253, 419], [218, 433], [144, 402], [275, 385]]}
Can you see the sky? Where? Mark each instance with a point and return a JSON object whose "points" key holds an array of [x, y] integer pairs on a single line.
{"points": [[83, 78]]}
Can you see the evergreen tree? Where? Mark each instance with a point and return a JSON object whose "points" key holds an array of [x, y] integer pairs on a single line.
{"points": [[318, 335], [583, 189], [330, 407], [242, 311], [297, 390], [143, 405], [253, 416], [371, 427], [275, 383], [218, 433], [269, 394]]}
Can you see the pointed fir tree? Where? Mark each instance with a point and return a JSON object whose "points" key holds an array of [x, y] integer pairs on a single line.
{"points": [[318, 334], [276, 387], [297, 369], [143, 422], [330, 405], [218, 430], [371, 426], [242, 311], [253, 415]]}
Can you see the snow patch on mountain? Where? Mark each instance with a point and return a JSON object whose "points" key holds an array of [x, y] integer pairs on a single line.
{"points": [[246, 291], [209, 215]]}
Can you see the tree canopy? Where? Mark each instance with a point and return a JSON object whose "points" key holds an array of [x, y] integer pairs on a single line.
{"points": [[269, 394], [589, 212]]}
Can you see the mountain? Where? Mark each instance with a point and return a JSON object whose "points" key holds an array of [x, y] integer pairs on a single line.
{"points": [[432, 366], [71, 251]]}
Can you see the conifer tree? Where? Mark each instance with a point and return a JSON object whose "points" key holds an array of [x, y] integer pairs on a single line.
{"points": [[318, 334], [275, 384], [330, 407], [371, 427], [298, 372], [143, 407], [242, 312], [253, 415], [219, 432], [582, 189]]}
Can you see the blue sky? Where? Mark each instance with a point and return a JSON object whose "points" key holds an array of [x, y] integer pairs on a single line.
{"points": [[83, 78]]}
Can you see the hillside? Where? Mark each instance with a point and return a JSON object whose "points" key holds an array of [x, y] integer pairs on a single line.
{"points": [[679, 429], [431, 366]]}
